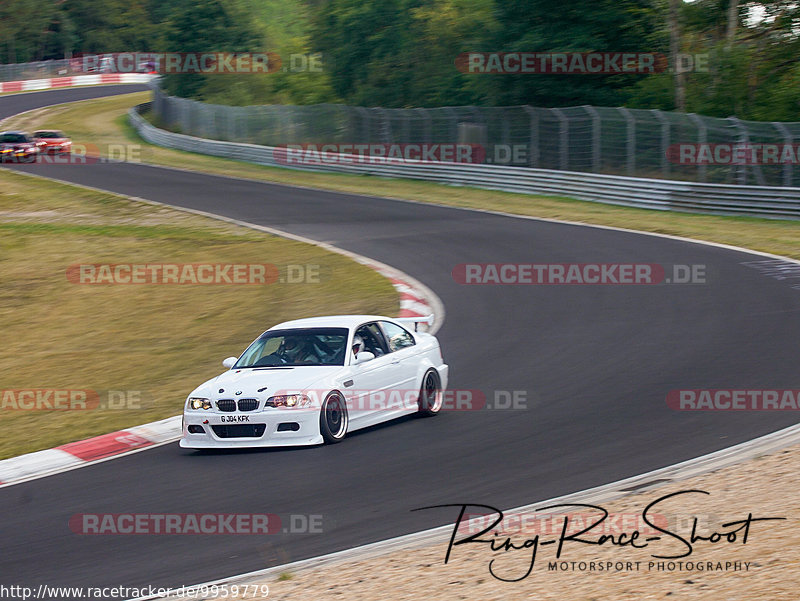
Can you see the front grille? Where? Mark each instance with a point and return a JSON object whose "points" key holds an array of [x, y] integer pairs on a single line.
{"points": [[226, 405], [239, 430], [248, 404]]}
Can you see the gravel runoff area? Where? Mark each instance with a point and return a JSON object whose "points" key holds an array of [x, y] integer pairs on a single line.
{"points": [[764, 567]]}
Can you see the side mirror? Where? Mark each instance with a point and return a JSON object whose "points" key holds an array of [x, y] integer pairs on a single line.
{"points": [[229, 362], [363, 357]]}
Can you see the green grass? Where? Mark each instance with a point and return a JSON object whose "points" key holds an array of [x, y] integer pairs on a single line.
{"points": [[158, 341], [103, 121]]}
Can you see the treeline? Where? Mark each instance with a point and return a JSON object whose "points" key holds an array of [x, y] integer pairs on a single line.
{"points": [[402, 53]]}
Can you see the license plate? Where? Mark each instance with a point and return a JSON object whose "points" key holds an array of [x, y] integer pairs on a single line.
{"points": [[234, 418]]}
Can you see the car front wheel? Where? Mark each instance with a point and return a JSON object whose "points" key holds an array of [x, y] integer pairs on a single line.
{"points": [[333, 418]]}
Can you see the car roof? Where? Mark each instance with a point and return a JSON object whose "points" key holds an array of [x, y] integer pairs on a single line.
{"points": [[330, 321], [21, 133]]}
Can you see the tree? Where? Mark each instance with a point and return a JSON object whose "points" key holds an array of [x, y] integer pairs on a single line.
{"points": [[207, 26], [674, 52], [554, 26]]}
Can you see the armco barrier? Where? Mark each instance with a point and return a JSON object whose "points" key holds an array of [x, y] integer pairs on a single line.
{"points": [[667, 195]]}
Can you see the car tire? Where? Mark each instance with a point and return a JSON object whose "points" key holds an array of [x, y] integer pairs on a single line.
{"points": [[333, 418], [430, 394]]}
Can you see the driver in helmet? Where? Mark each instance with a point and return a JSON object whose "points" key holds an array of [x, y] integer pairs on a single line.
{"points": [[296, 350]]}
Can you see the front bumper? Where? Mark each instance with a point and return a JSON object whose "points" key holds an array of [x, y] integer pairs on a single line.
{"points": [[222, 431], [18, 155], [56, 149]]}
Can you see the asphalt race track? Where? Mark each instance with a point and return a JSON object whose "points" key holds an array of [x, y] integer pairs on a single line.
{"points": [[596, 363]]}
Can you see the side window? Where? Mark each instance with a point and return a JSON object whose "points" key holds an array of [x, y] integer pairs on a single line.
{"points": [[373, 339], [396, 336]]}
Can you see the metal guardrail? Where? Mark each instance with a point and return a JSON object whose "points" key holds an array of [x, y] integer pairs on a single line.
{"points": [[588, 139], [667, 195]]}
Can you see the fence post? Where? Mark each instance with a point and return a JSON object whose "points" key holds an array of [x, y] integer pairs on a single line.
{"points": [[426, 118], [506, 135], [186, 116], [364, 126], [406, 128], [229, 124], [665, 166], [533, 136], [596, 124], [386, 127], [787, 139], [744, 138], [453, 123], [702, 138], [630, 141], [563, 139]]}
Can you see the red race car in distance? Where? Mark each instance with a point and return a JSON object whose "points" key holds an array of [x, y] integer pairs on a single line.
{"points": [[52, 140]]}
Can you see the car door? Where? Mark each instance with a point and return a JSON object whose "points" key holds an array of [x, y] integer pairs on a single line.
{"points": [[405, 358], [369, 398]]}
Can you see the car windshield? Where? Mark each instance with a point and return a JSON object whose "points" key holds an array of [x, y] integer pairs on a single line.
{"points": [[12, 138], [296, 347], [48, 134]]}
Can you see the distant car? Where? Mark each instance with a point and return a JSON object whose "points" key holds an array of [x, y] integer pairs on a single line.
{"points": [[17, 146], [311, 381], [52, 140]]}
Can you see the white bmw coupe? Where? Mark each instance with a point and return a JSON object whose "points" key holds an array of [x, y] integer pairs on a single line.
{"points": [[313, 380]]}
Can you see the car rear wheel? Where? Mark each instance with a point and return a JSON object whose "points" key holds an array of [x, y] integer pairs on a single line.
{"points": [[333, 418], [430, 394]]}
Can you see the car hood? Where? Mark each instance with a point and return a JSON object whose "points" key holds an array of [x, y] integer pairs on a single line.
{"points": [[262, 383]]}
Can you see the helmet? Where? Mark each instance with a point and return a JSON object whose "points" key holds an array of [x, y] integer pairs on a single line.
{"points": [[358, 344], [291, 347]]}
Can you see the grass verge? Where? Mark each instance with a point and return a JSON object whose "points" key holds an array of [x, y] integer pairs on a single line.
{"points": [[153, 343]]}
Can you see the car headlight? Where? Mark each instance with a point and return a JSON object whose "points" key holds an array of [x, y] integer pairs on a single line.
{"points": [[199, 403], [288, 400]]}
